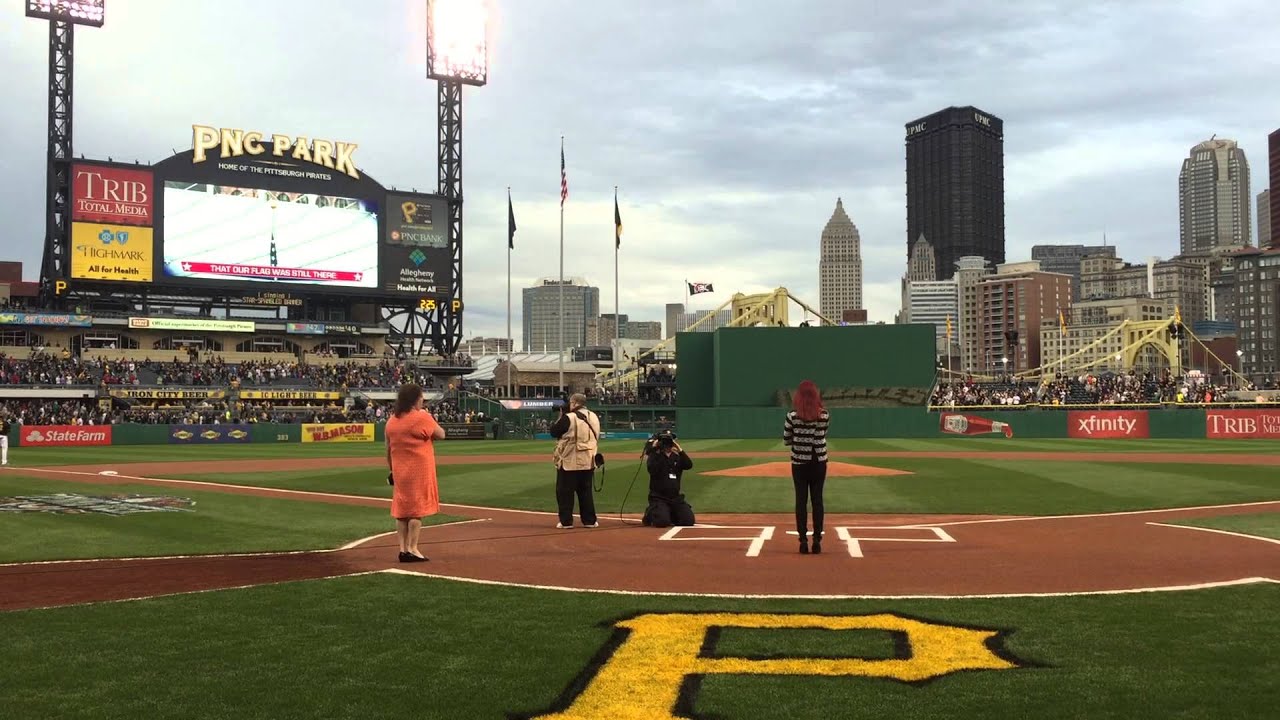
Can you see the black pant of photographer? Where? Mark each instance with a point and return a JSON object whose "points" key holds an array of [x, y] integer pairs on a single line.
{"points": [[664, 512], [809, 478], [568, 484]]}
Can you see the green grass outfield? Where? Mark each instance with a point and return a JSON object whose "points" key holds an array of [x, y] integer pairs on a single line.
{"points": [[388, 645], [396, 646], [217, 523]]}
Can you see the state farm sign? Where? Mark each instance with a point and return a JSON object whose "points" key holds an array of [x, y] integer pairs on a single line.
{"points": [[1236, 424], [65, 435], [107, 194], [1107, 424]]}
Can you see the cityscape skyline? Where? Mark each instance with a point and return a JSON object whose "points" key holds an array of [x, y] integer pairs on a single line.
{"points": [[1090, 157]]}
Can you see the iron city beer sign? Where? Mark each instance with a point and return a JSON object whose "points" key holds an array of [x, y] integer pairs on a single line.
{"points": [[231, 143]]}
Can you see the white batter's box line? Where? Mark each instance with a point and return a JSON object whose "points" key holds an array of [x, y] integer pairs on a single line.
{"points": [[854, 542], [756, 541]]}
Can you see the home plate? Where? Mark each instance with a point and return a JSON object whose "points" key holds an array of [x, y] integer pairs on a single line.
{"points": [[783, 469]]}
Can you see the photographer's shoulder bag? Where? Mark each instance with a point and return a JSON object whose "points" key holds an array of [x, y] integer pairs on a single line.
{"points": [[598, 460]]}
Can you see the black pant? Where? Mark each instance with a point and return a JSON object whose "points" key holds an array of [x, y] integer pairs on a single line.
{"points": [[570, 483], [665, 512], [809, 479]]}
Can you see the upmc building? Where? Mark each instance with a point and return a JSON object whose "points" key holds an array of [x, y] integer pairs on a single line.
{"points": [[955, 186], [243, 213]]}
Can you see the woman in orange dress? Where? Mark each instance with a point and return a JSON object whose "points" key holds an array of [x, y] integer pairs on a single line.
{"points": [[411, 432]]}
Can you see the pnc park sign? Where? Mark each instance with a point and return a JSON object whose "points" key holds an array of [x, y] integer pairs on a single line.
{"points": [[230, 143]]}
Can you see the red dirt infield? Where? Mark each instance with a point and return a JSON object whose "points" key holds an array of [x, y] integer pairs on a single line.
{"points": [[752, 555]]}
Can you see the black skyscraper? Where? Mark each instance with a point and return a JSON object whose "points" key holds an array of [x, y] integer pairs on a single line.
{"points": [[955, 185]]}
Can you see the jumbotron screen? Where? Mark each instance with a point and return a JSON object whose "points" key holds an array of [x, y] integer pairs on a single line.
{"points": [[222, 232]]}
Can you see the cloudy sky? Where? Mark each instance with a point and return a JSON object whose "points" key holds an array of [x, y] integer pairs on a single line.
{"points": [[730, 128]]}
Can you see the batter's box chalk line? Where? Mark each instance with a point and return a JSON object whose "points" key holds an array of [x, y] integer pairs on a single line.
{"points": [[756, 542], [854, 542]]}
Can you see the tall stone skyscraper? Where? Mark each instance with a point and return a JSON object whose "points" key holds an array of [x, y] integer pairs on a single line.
{"points": [[955, 186], [1213, 197], [839, 266]]}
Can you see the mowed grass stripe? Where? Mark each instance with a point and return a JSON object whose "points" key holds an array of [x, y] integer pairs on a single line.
{"points": [[369, 645], [219, 523], [622, 449], [936, 486]]}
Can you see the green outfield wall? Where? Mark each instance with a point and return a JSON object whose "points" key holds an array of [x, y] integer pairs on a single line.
{"points": [[758, 366]]}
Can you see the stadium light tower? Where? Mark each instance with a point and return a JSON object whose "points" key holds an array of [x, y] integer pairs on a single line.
{"points": [[62, 16], [457, 55]]}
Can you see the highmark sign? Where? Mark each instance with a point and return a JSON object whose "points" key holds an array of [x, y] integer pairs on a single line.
{"points": [[230, 143]]}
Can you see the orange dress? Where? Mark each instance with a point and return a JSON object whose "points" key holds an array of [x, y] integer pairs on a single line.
{"points": [[413, 465]]}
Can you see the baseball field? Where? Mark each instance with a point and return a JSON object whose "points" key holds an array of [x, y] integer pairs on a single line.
{"points": [[960, 578]]}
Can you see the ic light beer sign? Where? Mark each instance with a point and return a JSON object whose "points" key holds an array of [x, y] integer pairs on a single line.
{"points": [[229, 143]]}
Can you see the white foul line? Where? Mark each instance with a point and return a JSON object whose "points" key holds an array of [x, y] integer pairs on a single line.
{"points": [[1218, 532], [760, 596], [1025, 518]]}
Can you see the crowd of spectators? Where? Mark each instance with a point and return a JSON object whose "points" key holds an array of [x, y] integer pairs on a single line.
{"points": [[45, 369], [1132, 388], [55, 412]]}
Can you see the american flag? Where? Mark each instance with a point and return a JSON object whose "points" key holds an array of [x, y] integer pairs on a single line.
{"points": [[564, 179]]}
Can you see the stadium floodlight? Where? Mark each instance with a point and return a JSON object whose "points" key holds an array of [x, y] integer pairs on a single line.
{"points": [[76, 12], [457, 41]]}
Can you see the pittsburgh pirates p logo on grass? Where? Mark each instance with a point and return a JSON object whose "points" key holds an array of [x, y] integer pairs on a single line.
{"points": [[656, 659]]}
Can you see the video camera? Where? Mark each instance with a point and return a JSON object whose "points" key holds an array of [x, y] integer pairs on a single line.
{"points": [[660, 441]]}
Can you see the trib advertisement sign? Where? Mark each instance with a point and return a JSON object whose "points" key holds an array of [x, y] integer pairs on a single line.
{"points": [[1241, 424], [109, 194], [1107, 424]]}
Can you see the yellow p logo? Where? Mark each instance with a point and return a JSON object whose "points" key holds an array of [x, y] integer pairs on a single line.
{"points": [[409, 210], [644, 676]]}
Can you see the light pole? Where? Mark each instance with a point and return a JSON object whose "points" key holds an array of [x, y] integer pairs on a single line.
{"points": [[457, 55], [63, 16], [1004, 361], [1240, 369]]}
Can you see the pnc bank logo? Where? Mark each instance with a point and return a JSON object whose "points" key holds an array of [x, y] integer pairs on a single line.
{"points": [[106, 236]]}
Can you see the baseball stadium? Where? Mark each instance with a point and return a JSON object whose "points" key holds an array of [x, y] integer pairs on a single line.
{"points": [[195, 399]]}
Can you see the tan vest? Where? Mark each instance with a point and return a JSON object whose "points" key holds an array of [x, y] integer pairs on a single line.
{"points": [[576, 449]]}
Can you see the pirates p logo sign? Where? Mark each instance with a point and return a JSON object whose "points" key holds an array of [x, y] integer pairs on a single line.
{"points": [[657, 659]]}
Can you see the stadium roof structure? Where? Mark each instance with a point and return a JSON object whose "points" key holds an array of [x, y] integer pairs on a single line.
{"points": [[487, 364]]}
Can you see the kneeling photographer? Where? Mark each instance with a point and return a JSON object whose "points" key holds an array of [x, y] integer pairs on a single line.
{"points": [[667, 462]]}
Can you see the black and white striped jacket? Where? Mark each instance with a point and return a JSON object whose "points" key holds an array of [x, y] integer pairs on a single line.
{"points": [[808, 440]]}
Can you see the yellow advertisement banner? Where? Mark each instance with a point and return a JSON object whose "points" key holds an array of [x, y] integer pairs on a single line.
{"points": [[111, 252], [289, 395], [356, 432], [170, 394]]}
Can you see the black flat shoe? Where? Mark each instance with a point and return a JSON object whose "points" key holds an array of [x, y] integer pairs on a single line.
{"points": [[417, 558], [804, 547], [817, 546], [406, 557]]}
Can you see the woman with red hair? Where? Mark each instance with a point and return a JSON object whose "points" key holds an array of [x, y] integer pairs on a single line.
{"points": [[805, 431]]}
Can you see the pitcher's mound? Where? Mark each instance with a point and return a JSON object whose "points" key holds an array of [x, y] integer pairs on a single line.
{"points": [[783, 469]]}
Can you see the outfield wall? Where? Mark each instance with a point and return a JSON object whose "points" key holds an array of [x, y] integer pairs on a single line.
{"points": [[744, 422], [1093, 424]]}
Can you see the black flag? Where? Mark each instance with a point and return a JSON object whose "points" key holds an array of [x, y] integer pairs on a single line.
{"points": [[511, 223]]}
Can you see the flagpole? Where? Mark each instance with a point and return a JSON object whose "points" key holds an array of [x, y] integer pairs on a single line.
{"points": [[617, 318], [562, 176], [510, 337]]}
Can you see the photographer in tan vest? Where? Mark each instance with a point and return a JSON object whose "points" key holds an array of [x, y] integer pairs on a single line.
{"points": [[577, 435]]}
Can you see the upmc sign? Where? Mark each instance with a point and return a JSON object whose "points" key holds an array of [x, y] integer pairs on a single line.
{"points": [[108, 194], [65, 435], [1107, 424], [1236, 424]]}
